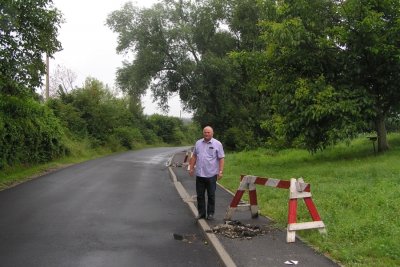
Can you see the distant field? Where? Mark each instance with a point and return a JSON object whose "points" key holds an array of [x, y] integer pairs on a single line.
{"points": [[357, 194]]}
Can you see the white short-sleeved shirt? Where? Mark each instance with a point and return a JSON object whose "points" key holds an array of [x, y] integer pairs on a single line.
{"points": [[208, 155]]}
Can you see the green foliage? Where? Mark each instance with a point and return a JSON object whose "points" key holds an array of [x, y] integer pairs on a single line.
{"points": [[93, 112], [169, 129], [29, 132], [180, 48], [150, 136], [393, 123], [238, 139], [319, 70], [128, 137], [304, 73], [354, 190], [78, 151], [28, 29], [191, 131], [69, 116], [319, 115], [243, 20], [371, 56]]}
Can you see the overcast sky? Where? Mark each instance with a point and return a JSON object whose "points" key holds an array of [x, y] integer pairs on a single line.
{"points": [[89, 47]]}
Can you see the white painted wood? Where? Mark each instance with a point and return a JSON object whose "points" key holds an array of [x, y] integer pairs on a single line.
{"points": [[306, 225], [291, 236]]}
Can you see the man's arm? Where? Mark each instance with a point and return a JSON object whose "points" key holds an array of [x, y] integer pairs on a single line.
{"points": [[221, 168]]}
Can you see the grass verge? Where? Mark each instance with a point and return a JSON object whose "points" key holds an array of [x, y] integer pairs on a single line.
{"points": [[80, 151], [355, 191]]}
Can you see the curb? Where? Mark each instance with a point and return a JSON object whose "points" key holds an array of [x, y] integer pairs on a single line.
{"points": [[212, 238]]}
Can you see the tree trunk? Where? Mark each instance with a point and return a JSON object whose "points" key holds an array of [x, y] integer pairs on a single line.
{"points": [[381, 133]]}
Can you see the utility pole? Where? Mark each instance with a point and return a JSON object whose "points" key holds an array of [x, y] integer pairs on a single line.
{"points": [[47, 76]]}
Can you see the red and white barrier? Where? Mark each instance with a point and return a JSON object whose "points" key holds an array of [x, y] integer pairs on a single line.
{"points": [[247, 183], [188, 156], [186, 159], [296, 192], [298, 189]]}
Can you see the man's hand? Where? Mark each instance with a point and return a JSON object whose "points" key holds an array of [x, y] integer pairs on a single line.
{"points": [[191, 171]]}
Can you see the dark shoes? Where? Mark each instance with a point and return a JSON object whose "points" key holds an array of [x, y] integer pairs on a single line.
{"points": [[210, 217], [198, 217]]}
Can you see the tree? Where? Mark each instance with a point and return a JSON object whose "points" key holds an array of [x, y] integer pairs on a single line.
{"points": [[292, 72], [167, 47], [182, 47], [62, 81], [93, 111], [369, 36], [311, 104], [28, 30], [169, 129], [328, 69]]}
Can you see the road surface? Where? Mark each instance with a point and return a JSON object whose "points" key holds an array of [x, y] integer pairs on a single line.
{"points": [[120, 210]]}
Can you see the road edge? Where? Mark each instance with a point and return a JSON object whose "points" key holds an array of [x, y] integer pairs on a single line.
{"points": [[212, 238]]}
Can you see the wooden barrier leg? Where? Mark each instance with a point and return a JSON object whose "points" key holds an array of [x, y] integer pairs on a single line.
{"points": [[291, 235], [314, 213], [238, 196], [312, 209], [234, 203], [253, 203], [292, 211]]}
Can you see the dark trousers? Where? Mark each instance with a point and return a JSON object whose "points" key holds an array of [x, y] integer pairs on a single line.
{"points": [[204, 185]]}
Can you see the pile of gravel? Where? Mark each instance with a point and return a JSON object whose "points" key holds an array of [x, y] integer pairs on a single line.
{"points": [[236, 229]]}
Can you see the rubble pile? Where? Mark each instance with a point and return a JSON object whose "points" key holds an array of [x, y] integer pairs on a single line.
{"points": [[236, 229]]}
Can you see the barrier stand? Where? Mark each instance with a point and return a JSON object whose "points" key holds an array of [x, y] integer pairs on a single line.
{"points": [[188, 156], [186, 160], [247, 183], [298, 189]]}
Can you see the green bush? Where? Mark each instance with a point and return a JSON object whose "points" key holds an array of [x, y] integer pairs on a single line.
{"points": [[171, 130], [393, 123], [150, 136], [128, 137], [69, 116], [238, 139], [179, 137], [29, 132]]}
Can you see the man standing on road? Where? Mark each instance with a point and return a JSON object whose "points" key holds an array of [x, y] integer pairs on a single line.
{"points": [[208, 157]]}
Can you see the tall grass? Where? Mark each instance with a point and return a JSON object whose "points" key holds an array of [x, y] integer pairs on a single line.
{"points": [[355, 190]]}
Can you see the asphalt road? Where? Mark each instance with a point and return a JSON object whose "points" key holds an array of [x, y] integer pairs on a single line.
{"points": [[120, 210]]}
